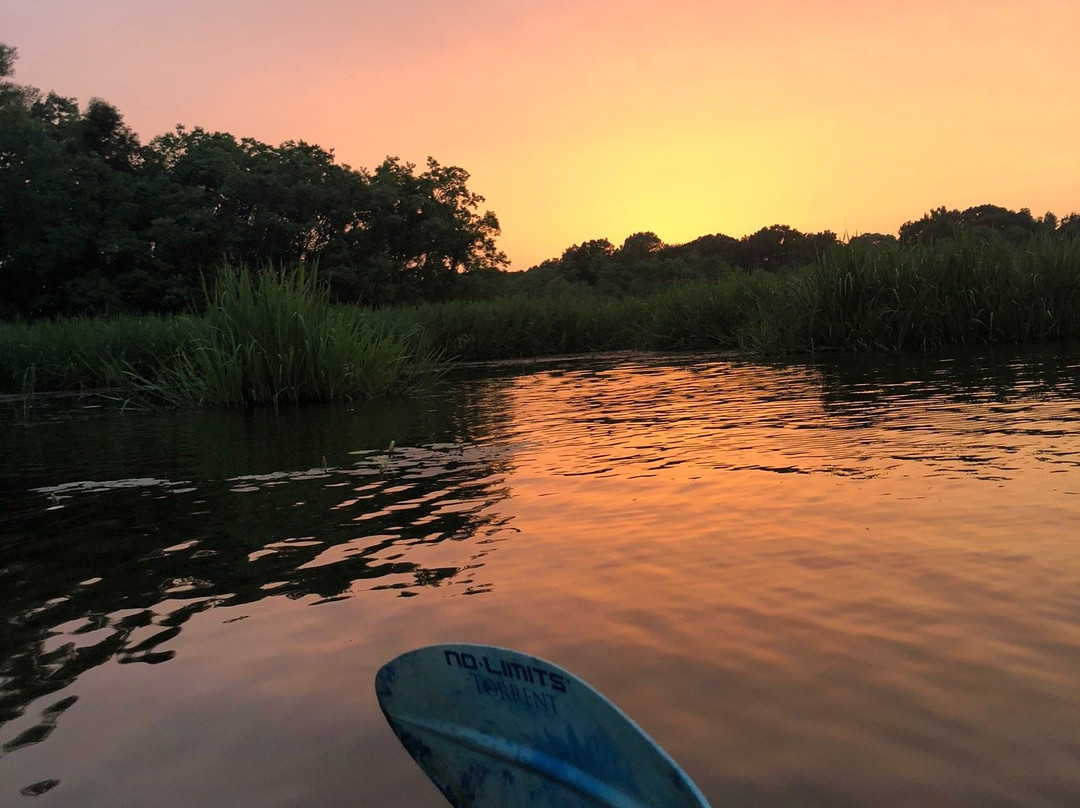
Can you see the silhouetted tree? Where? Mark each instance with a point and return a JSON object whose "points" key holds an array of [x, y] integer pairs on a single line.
{"points": [[982, 221], [873, 240], [715, 248], [939, 223], [8, 55], [1070, 226], [91, 220], [638, 247], [780, 246], [587, 261]]}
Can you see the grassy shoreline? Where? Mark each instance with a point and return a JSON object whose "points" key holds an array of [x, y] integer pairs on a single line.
{"points": [[275, 337], [917, 298], [265, 338]]}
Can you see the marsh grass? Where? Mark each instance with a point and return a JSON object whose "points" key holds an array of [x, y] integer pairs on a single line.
{"points": [[923, 297], [515, 326], [699, 315], [854, 298], [85, 353], [273, 337], [268, 337]]}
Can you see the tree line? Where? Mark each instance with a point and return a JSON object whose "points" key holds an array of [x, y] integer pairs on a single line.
{"points": [[91, 220], [644, 263]]}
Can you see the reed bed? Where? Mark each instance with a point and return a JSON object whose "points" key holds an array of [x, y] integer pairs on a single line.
{"points": [[269, 337], [703, 314], [516, 327], [274, 337], [86, 353], [854, 298], [923, 297]]}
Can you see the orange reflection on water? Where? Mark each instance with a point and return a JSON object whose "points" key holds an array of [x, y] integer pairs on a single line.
{"points": [[880, 580], [827, 584]]}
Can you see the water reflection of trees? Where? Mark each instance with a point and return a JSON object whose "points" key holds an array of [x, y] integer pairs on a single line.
{"points": [[963, 414], [870, 388], [93, 572]]}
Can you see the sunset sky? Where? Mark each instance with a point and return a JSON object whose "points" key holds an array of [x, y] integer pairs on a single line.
{"points": [[583, 119]]}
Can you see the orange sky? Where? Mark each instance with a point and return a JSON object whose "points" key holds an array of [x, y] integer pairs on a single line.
{"points": [[583, 119]]}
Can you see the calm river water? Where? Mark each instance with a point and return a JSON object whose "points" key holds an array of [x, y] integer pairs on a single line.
{"points": [[841, 583]]}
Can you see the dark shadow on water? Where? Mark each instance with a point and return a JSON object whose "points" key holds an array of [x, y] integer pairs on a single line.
{"points": [[870, 387], [117, 529]]}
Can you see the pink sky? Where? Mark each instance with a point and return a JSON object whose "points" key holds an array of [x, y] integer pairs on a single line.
{"points": [[592, 119]]}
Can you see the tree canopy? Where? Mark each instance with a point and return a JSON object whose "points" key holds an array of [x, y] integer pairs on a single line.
{"points": [[981, 221], [92, 220], [644, 263]]}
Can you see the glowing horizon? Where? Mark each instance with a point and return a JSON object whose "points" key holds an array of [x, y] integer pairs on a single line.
{"points": [[577, 122]]}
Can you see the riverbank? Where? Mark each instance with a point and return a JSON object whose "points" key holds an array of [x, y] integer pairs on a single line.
{"points": [[292, 343], [967, 293], [264, 338]]}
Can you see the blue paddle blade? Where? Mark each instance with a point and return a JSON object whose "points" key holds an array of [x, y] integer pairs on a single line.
{"points": [[495, 728]]}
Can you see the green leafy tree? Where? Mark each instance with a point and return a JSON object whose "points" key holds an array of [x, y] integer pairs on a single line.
{"points": [[780, 246], [587, 262], [713, 250], [102, 131], [92, 220], [242, 200], [10, 93], [873, 240], [939, 223], [69, 205], [415, 233], [1070, 226], [8, 55], [639, 246], [981, 221]]}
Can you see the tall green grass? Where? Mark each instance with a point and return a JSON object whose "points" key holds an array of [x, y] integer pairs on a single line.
{"points": [[704, 314], [516, 326], [269, 337], [854, 298], [916, 298], [273, 336], [86, 353]]}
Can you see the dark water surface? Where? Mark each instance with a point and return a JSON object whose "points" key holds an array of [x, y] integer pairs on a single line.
{"points": [[848, 583]]}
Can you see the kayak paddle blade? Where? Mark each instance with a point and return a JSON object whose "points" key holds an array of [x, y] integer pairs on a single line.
{"points": [[495, 728]]}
